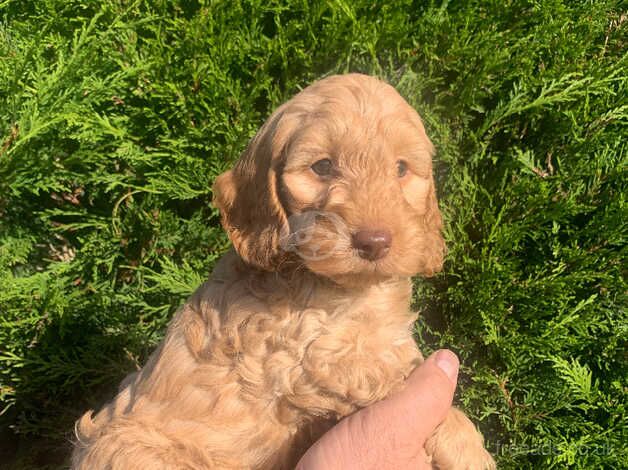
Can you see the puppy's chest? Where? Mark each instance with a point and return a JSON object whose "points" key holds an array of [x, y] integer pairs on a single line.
{"points": [[331, 354], [259, 327]]}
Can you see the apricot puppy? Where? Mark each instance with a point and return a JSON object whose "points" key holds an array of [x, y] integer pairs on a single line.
{"points": [[331, 209]]}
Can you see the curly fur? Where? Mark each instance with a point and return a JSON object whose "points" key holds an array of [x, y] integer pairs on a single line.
{"points": [[291, 333]]}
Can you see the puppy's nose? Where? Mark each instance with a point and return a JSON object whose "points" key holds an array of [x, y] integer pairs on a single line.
{"points": [[372, 244]]}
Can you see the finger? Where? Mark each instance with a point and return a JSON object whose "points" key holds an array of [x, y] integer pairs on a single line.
{"points": [[427, 395], [414, 412], [395, 428]]}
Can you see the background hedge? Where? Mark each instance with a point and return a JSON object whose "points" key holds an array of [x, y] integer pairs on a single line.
{"points": [[115, 117]]}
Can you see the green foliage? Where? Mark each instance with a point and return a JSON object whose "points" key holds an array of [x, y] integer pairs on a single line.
{"points": [[116, 116]]}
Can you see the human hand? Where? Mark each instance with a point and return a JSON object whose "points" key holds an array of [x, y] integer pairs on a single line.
{"points": [[391, 433]]}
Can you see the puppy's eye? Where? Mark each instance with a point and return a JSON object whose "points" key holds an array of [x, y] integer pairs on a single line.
{"points": [[323, 167], [402, 168]]}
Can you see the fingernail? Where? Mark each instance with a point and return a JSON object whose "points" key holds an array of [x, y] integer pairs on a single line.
{"points": [[448, 362]]}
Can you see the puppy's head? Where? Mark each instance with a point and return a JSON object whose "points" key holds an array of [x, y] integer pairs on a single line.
{"points": [[340, 179]]}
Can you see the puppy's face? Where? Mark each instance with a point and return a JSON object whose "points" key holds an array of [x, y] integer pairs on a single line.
{"points": [[340, 178]]}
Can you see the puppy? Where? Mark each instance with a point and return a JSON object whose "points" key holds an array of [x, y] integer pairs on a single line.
{"points": [[331, 209]]}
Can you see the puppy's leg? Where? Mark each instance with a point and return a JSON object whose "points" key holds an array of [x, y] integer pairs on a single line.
{"points": [[457, 445], [130, 444]]}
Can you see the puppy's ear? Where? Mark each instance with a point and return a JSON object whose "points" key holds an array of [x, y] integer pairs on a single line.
{"points": [[433, 249], [433, 242], [246, 196]]}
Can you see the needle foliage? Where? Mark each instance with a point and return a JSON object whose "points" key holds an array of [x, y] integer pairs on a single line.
{"points": [[116, 116]]}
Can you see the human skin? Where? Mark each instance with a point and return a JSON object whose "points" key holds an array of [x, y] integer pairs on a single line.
{"points": [[391, 433]]}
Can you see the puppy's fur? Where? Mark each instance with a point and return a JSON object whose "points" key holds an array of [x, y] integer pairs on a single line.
{"points": [[295, 329]]}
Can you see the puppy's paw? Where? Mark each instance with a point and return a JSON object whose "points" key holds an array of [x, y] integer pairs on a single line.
{"points": [[457, 445]]}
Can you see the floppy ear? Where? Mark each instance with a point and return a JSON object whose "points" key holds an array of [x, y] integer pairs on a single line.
{"points": [[247, 199], [433, 243]]}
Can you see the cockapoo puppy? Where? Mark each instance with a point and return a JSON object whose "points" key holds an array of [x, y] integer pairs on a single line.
{"points": [[331, 209]]}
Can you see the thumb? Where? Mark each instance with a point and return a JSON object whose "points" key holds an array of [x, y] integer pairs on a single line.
{"points": [[397, 426]]}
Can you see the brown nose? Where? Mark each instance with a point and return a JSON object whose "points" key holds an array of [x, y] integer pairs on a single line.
{"points": [[372, 244]]}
